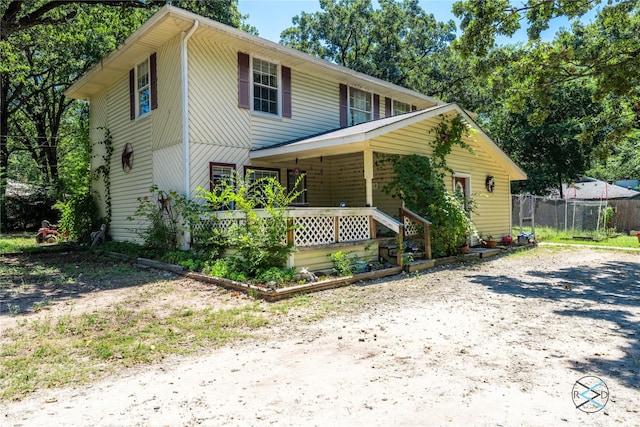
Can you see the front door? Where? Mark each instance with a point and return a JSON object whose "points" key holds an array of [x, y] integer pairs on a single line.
{"points": [[461, 188]]}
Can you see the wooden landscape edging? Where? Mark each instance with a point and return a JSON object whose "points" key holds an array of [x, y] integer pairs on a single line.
{"points": [[271, 295], [278, 294]]}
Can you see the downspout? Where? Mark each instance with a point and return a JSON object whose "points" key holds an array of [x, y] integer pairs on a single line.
{"points": [[184, 68]]}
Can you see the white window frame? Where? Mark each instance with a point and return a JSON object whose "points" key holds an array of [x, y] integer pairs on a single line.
{"points": [[352, 91], [226, 172], [464, 175], [467, 177], [278, 76], [393, 107], [292, 177], [250, 174], [140, 89]]}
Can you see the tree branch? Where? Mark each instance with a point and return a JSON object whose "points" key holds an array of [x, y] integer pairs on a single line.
{"points": [[10, 22]]}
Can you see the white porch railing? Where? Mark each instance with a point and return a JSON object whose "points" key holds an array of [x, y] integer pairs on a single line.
{"points": [[321, 226]]}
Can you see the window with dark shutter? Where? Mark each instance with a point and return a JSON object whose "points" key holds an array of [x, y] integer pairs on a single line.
{"points": [[376, 106], [243, 80], [286, 91], [153, 71], [132, 94], [344, 106], [387, 107], [143, 88]]}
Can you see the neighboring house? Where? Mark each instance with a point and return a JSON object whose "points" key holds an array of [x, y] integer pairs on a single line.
{"points": [[594, 189], [188, 100], [631, 184]]}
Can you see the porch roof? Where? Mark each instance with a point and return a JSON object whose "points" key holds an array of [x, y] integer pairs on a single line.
{"points": [[355, 139]]}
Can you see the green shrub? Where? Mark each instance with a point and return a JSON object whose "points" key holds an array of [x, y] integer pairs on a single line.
{"points": [[80, 217], [161, 213], [190, 260], [421, 186], [227, 268], [260, 240], [342, 266], [277, 275]]}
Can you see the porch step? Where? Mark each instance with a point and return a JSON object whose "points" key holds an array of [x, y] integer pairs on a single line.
{"points": [[389, 253]]}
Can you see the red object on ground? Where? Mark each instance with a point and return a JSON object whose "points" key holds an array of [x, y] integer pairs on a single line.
{"points": [[47, 233]]}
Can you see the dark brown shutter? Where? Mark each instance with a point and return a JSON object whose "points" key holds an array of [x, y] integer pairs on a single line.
{"points": [[376, 106], [132, 94], [286, 91], [153, 75], [414, 108], [243, 80], [344, 106], [387, 107]]}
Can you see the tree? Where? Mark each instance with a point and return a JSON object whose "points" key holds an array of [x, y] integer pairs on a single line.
{"points": [[624, 162], [44, 47], [552, 152], [395, 42], [605, 52]]}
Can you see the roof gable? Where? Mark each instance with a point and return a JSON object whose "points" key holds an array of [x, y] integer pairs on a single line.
{"points": [[170, 21], [355, 138]]}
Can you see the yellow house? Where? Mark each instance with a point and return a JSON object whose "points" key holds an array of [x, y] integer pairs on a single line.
{"points": [[187, 101]]}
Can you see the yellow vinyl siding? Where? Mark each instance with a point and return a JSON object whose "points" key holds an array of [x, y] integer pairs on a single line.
{"points": [[167, 118], [382, 175], [347, 180], [319, 260], [127, 187], [214, 116], [202, 154], [314, 106], [98, 120], [168, 168], [492, 215]]}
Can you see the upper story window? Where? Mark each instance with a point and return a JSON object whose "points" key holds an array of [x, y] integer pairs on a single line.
{"points": [[360, 106], [143, 88], [266, 83], [265, 86], [400, 107]]}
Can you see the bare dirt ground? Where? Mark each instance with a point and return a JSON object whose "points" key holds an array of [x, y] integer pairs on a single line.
{"points": [[501, 342]]}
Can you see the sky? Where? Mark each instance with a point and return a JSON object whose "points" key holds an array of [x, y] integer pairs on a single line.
{"points": [[271, 17]]}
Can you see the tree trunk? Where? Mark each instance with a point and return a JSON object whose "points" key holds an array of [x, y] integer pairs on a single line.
{"points": [[4, 149], [560, 185]]}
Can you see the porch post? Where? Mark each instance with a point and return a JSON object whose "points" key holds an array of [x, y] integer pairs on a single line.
{"points": [[368, 175]]}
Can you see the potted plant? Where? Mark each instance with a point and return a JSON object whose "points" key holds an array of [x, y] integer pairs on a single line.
{"points": [[489, 242]]}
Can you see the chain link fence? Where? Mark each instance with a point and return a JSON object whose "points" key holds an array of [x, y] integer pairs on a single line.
{"points": [[581, 216]]}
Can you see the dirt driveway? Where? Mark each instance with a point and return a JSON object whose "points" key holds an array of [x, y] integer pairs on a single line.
{"points": [[502, 342]]}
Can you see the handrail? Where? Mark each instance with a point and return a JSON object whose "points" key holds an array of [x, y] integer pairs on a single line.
{"points": [[427, 228], [388, 221], [414, 216]]}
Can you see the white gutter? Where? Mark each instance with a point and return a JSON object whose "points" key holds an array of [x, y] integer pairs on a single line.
{"points": [[184, 68]]}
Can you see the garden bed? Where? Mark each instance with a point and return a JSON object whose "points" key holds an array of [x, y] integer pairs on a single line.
{"points": [[269, 294]]}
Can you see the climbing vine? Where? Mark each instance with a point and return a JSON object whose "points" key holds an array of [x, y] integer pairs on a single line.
{"points": [[448, 133], [104, 171], [419, 182]]}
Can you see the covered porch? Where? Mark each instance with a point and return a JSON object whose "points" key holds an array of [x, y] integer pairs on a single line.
{"points": [[316, 233]]}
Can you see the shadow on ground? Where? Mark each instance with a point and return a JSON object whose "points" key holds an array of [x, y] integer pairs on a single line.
{"points": [[609, 292], [32, 282]]}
